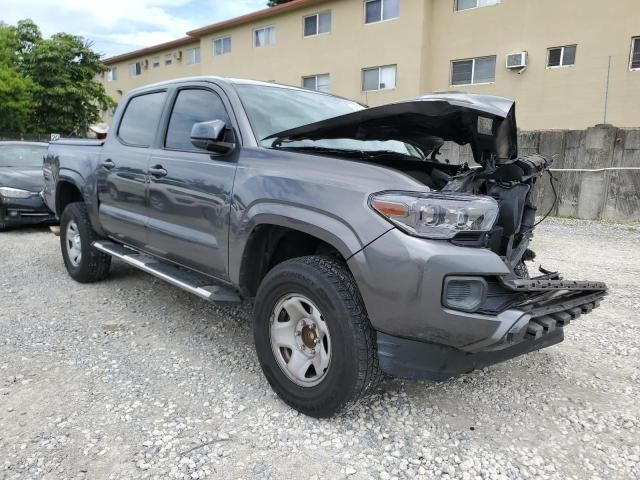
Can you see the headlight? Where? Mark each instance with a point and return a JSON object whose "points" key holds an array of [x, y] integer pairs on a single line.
{"points": [[9, 192], [436, 215]]}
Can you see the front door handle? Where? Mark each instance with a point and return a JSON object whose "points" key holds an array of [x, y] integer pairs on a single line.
{"points": [[108, 164], [158, 171]]}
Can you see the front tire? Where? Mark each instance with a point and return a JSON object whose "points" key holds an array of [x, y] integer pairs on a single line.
{"points": [[84, 263], [312, 335]]}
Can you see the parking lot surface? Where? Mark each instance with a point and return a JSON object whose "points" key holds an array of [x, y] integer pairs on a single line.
{"points": [[134, 378]]}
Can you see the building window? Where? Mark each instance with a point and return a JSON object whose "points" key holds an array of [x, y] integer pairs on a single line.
{"points": [[112, 74], [473, 71], [317, 82], [317, 24], [379, 78], [561, 56], [264, 36], [471, 4], [381, 10], [155, 62], [135, 69], [635, 54], [222, 46], [168, 59], [193, 55]]}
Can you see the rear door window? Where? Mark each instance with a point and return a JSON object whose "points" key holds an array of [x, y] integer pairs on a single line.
{"points": [[140, 120], [193, 106]]}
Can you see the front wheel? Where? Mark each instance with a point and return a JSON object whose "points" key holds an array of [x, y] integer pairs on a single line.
{"points": [[313, 337], [84, 263]]}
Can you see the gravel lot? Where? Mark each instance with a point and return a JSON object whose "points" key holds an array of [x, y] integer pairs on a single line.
{"points": [[133, 378]]}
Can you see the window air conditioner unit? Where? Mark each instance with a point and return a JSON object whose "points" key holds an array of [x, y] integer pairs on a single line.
{"points": [[178, 55], [517, 60]]}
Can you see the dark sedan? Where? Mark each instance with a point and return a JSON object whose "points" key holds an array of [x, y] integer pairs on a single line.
{"points": [[21, 185]]}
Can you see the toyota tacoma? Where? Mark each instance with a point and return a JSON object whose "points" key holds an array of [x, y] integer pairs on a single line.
{"points": [[363, 249]]}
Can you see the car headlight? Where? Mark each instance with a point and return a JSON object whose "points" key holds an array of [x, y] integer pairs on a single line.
{"points": [[436, 215], [9, 192]]}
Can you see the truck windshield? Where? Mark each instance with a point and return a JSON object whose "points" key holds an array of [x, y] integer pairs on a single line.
{"points": [[22, 155], [273, 109]]}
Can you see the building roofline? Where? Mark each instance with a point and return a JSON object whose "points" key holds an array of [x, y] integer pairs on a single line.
{"points": [[250, 17], [193, 35], [148, 50]]}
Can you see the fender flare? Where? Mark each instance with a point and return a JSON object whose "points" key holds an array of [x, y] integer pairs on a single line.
{"points": [[72, 177], [320, 224]]}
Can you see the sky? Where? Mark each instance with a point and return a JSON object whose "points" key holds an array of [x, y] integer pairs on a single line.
{"points": [[119, 26]]}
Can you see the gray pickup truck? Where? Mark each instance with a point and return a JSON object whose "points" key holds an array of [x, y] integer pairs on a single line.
{"points": [[364, 251]]}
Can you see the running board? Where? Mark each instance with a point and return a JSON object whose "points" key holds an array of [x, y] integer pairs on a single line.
{"points": [[190, 281]]}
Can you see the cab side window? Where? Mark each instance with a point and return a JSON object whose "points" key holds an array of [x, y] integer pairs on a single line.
{"points": [[140, 120], [191, 107]]}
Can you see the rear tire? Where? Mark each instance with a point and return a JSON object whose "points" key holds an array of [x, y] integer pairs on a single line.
{"points": [[335, 326], [84, 263]]}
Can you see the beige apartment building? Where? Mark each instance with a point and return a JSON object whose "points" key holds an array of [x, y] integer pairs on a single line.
{"points": [[563, 61]]}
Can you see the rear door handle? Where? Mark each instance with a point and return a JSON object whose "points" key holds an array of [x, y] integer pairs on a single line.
{"points": [[108, 164], [158, 171]]}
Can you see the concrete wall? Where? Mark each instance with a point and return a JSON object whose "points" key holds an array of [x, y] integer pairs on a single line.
{"points": [[604, 195]]}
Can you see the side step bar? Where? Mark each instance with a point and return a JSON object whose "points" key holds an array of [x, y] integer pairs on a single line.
{"points": [[192, 282]]}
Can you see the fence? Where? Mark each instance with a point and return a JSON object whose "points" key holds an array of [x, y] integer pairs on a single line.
{"points": [[597, 171]]}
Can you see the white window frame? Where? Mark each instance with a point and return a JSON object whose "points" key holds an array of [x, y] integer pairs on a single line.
{"points": [[381, 13], [633, 43], [561, 56], [110, 74], [168, 59], [131, 73], [379, 68], [317, 15], [315, 77], [188, 56], [155, 62], [456, 9], [266, 27], [221, 39], [473, 71]]}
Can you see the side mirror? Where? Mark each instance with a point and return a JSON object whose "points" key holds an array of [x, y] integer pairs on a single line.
{"points": [[210, 136]]}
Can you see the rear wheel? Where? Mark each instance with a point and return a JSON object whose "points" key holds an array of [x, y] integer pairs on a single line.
{"points": [[313, 337], [84, 263]]}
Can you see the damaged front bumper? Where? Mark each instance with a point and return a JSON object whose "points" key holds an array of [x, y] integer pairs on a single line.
{"points": [[540, 323], [402, 280]]}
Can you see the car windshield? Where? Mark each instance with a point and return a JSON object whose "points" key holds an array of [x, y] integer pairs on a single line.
{"points": [[22, 155], [273, 109]]}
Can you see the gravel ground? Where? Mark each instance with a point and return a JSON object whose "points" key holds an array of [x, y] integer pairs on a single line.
{"points": [[133, 378]]}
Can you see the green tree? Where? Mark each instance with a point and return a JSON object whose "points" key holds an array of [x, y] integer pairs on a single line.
{"points": [[17, 105], [68, 99], [49, 84], [273, 3]]}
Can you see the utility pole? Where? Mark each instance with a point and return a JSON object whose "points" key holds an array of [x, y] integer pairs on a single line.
{"points": [[606, 92]]}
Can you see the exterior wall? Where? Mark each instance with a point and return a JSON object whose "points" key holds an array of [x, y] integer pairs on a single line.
{"points": [[350, 46], [570, 97], [422, 43], [126, 82]]}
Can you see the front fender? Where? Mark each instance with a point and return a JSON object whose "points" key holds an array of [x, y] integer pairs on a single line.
{"points": [[320, 224]]}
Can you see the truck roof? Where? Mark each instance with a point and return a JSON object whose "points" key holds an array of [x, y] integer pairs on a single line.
{"points": [[212, 78]]}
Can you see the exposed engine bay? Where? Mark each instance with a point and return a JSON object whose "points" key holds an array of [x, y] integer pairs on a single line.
{"points": [[408, 136]]}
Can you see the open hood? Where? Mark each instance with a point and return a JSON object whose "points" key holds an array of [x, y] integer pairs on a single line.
{"points": [[485, 122]]}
